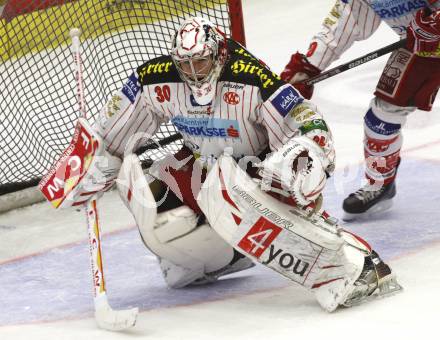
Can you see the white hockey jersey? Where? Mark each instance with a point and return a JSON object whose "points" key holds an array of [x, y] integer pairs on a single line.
{"points": [[354, 20], [253, 109]]}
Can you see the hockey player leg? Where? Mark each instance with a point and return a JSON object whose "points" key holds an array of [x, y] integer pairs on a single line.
{"points": [[308, 249], [383, 140], [188, 249], [408, 82]]}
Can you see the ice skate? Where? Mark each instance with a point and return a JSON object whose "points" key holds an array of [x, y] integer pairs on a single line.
{"points": [[375, 281], [368, 201]]}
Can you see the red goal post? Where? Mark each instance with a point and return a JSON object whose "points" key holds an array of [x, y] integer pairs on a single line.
{"points": [[38, 105]]}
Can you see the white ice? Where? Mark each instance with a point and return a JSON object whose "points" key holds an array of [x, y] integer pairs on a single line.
{"points": [[45, 284]]}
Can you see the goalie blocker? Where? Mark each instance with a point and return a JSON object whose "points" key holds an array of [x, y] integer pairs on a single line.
{"points": [[84, 170]]}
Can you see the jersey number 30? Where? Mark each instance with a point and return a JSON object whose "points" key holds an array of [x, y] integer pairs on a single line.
{"points": [[163, 93]]}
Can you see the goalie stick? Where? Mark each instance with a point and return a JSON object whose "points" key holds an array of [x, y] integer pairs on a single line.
{"points": [[106, 317], [311, 81]]}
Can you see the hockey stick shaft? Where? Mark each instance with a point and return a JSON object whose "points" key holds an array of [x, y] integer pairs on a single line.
{"points": [[355, 62], [95, 249], [105, 316], [311, 81], [90, 206], [165, 141], [76, 51]]}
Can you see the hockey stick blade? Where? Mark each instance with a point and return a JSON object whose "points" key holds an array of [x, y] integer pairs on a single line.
{"points": [[106, 317], [114, 320]]}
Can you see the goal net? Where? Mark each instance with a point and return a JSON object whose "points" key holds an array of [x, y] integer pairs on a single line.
{"points": [[38, 106]]}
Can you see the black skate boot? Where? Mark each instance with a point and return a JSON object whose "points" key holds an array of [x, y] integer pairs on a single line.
{"points": [[375, 281], [368, 200]]}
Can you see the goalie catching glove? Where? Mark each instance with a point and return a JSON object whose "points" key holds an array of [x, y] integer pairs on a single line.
{"points": [[296, 170]]}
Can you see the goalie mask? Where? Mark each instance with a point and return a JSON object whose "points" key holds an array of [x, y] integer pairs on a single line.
{"points": [[199, 53]]}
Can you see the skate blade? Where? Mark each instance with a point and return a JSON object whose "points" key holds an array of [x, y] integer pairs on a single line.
{"points": [[385, 289], [381, 207], [213, 277]]}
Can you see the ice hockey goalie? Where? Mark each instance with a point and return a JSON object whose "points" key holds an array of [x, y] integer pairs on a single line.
{"points": [[246, 185]]}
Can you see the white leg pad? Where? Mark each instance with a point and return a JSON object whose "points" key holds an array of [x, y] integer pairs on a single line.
{"points": [[178, 276], [135, 192], [335, 283], [186, 250], [308, 249]]}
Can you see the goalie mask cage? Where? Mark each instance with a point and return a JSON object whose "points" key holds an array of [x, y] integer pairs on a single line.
{"points": [[38, 106]]}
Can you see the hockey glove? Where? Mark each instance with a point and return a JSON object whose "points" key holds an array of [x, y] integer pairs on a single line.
{"points": [[423, 33], [295, 170], [84, 171], [297, 70]]}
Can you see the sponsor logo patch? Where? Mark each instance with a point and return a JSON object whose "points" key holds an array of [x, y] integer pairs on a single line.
{"points": [[315, 124], [266, 76], [379, 126], [395, 68], [233, 86], [156, 68], [207, 127], [113, 106], [131, 88], [202, 111], [301, 113], [396, 8], [286, 100], [286, 261], [259, 237]]}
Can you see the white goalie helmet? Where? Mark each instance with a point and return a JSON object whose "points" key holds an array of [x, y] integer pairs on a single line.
{"points": [[199, 52]]}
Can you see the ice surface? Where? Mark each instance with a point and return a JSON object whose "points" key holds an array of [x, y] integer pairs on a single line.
{"points": [[45, 284]]}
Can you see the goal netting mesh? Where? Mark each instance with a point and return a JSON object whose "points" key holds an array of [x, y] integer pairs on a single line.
{"points": [[38, 107]]}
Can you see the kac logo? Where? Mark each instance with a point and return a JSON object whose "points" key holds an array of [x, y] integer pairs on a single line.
{"points": [[231, 98]]}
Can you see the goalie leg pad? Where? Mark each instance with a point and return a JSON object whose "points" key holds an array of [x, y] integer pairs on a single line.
{"points": [[336, 280], [310, 250], [186, 247]]}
